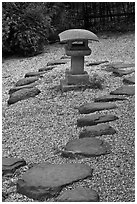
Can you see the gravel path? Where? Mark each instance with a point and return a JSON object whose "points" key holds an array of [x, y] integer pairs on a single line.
{"points": [[34, 128]]}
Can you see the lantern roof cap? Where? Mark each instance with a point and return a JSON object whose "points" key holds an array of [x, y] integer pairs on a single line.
{"points": [[77, 35]]}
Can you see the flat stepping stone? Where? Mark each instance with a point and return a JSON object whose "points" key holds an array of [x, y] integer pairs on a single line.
{"points": [[44, 69], [26, 81], [16, 88], [79, 194], [23, 94], [9, 165], [57, 62], [32, 74], [122, 65], [120, 73], [92, 107], [96, 63], [47, 180], [124, 90], [110, 98], [118, 65], [97, 130], [94, 119], [129, 80], [87, 147]]}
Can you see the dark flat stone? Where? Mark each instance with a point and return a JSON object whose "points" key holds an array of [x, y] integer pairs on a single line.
{"points": [[16, 88], [9, 165], [108, 98], [44, 69], [124, 90], [57, 62], [23, 94], [47, 180], [97, 130], [94, 119], [122, 65], [118, 65], [96, 63], [79, 194], [86, 147], [129, 80], [32, 74], [26, 81], [120, 73], [92, 107]]}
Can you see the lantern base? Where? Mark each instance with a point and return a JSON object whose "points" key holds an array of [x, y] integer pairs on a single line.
{"points": [[65, 87], [77, 79], [75, 82]]}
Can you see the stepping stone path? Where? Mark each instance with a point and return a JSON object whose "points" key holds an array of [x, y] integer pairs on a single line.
{"points": [[47, 180], [97, 130], [124, 90], [96, 63], [92, 107], [94, 119], [57, 62], [108, 98], [26, 81], [44, 69], [129, 80], [9, 165], [121, 72], [79, 194], [86, 147], [16, 88], [23, 94], [32, 74]]}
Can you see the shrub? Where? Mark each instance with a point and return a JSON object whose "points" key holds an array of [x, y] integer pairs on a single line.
{"points": [[96, 81], [25, 28]]}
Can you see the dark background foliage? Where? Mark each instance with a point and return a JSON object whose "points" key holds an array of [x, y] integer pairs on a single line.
{"points": [[28, 26]]}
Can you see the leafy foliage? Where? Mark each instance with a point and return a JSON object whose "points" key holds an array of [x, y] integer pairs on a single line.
{"points": [[96, 81], [25, 28]]}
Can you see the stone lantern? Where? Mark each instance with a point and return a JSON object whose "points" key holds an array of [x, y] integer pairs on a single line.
{"points": [[77, 47]]}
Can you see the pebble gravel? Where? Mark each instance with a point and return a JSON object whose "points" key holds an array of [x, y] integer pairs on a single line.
{"points": [[34, 129]]}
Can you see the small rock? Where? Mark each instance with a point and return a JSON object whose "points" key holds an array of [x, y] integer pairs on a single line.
{"points": [[129, 80], [23, 94], [124, 90], [32, 74], [47, 180], [120, 73], [57, 62], [94, 119], [97, 130], [96, 63], [16, 88], [65, 57], [86, 147], [79, 194], [9, 165], [108, 98], [92, 107], [44, 69], [26, 81]]}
